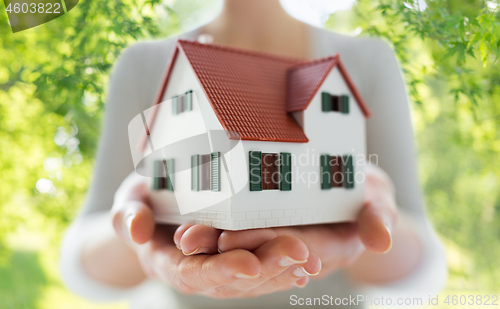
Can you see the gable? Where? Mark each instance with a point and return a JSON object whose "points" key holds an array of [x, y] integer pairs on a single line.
{"points": [[305, 80]]}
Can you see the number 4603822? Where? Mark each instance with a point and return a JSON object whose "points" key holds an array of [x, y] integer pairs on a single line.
{"points": [[472, 300], [47, 8]]}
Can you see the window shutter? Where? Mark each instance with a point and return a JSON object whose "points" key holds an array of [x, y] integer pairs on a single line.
{"points": [[326, 102], [215, 171], [195, 175], [188, 101], [255, 171], [170, 174], [344, 104], [348, 172], [175, 106], [325, 172], [286, 171], [180, 104], [159, 180]]}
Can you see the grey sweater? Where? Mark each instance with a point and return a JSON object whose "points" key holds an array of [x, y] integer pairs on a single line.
{"points": [[134, 83]]}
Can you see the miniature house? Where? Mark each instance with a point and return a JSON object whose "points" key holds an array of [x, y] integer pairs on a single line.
{"points": [[292, 146]]}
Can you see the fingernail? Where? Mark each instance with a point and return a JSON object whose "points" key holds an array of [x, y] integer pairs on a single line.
{"points": [[301, 285], [128, 223], [388, 227], [287, 261], [178, 247], [245, 276], [389, 230], [219, 250], [299, 272], [302, 272], [197, 250]]}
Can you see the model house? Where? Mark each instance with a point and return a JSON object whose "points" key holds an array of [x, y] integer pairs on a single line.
{"points": [[240, 139]]}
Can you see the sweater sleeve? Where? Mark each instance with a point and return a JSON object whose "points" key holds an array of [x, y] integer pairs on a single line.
{"points": [[390, 138], [375, 71], [133, 85]]}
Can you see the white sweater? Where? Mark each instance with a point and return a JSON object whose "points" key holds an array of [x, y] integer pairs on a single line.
{"points": [[134, 83]]}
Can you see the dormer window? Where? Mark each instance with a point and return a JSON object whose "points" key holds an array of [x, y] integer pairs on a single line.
{"points": [[182, 103], [334, 103]]}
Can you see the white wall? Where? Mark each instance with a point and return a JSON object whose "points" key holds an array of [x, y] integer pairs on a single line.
{"points": [[174, 130], [331, 133]]}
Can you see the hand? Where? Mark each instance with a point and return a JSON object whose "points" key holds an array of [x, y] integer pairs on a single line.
{"points": [[278, 264], [336, 245]]}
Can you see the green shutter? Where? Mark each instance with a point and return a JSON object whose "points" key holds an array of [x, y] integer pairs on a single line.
{"points": [[195, 174], [325, 170], [175, 105], [286, 171], [326, 102], [255, 159], [215, 171], [344, 104], [170, 174], [348, 172], [180, 104], [158, 175], [188, 101]]}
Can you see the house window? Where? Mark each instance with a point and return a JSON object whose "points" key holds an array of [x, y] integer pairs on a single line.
{"points": [[163, 175], [336, 171], [334, 103], [205, 172], [270, 171], [182, 103]]}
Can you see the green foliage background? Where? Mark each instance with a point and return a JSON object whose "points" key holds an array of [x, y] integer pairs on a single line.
{"points": [[53, 80]]}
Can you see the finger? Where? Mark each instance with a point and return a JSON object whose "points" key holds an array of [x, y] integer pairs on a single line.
{"points": [[275, 257], [279, 253], [293, 276], [199, 273], [247, 239], [330, 241], [200, 239], [179, 232], [134, 221], [375, 222], [302, 282]]}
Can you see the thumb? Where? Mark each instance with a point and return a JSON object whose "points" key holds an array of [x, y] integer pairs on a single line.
{"points": [[375, 223], [134, 221]]}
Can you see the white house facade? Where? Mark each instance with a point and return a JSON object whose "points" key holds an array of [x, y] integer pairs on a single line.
{"points": [[210, 167]]}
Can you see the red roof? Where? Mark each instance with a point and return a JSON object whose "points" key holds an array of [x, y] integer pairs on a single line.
{"points": [[252, 93]]}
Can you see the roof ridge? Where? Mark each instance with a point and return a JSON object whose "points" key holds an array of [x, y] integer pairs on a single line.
{"points": [[313, 62], [274, 56]]}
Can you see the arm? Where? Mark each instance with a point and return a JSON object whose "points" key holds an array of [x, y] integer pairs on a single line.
{"points": [[390, 137], [406, 245], [93, 262]]}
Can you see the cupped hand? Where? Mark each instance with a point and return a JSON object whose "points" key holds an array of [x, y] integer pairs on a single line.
{"points": [[336, 245], [278, 264]]}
